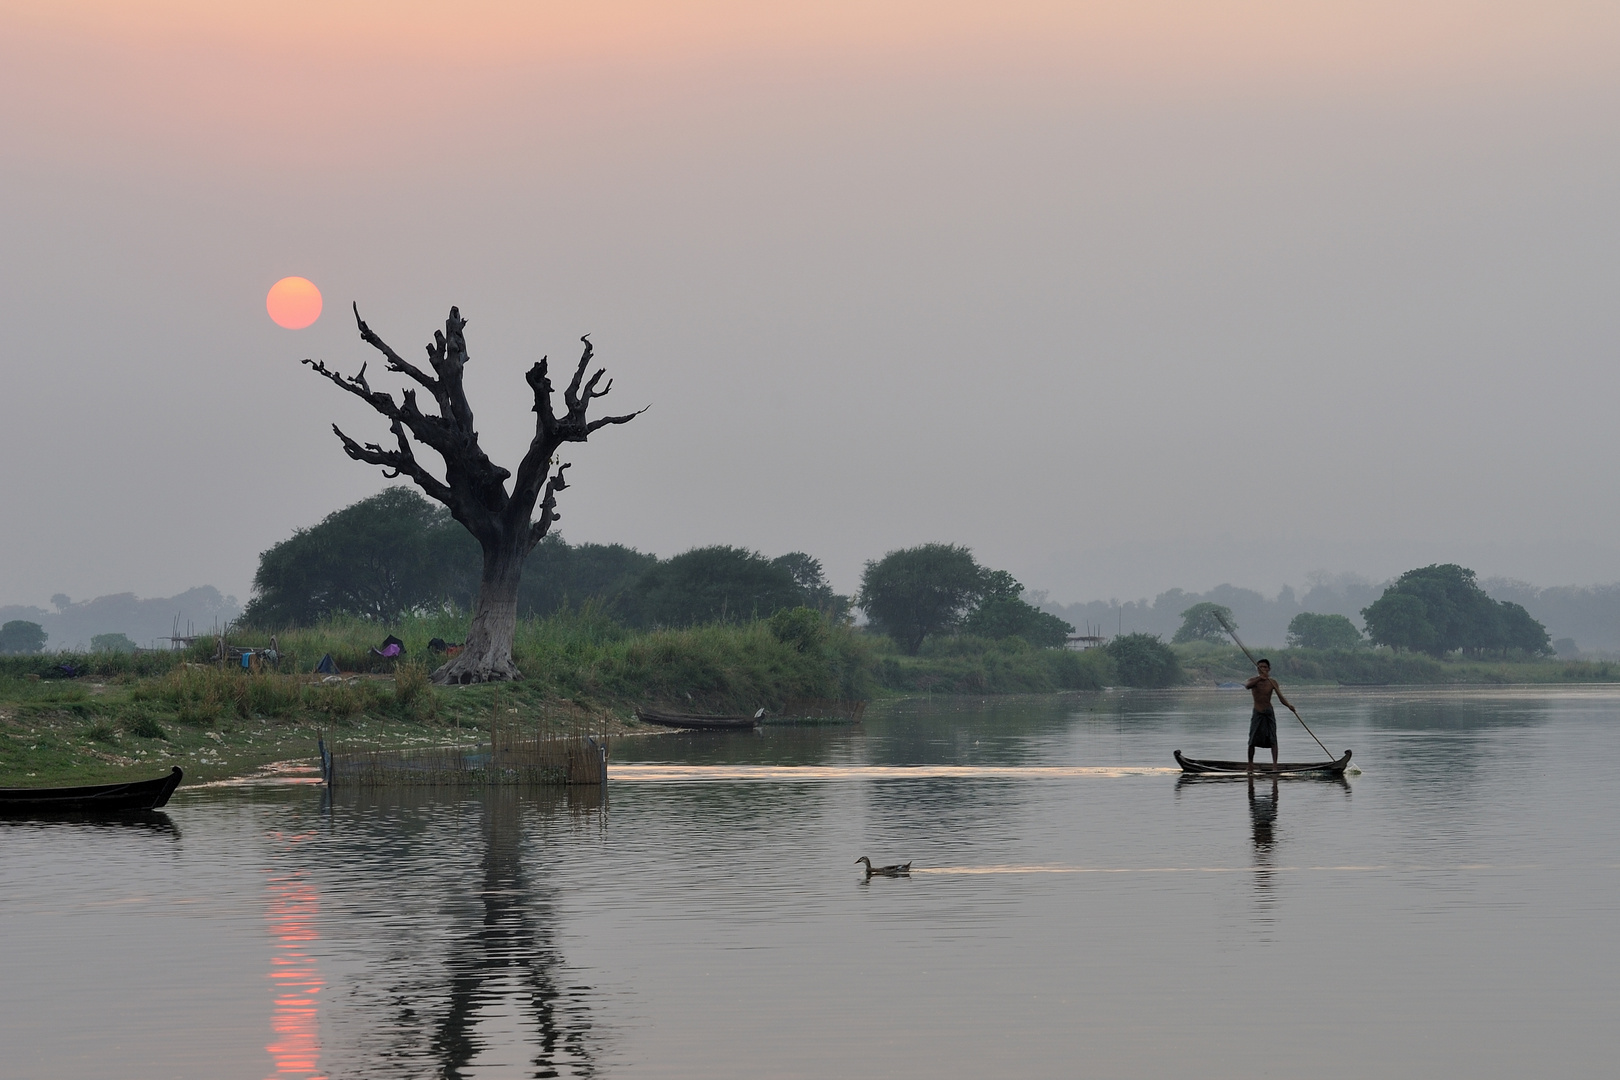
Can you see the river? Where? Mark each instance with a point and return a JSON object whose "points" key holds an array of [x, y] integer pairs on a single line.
{"points": [[1076, 909]]}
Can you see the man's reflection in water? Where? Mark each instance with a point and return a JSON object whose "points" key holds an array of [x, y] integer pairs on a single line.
{"points": [[1263, 824]]}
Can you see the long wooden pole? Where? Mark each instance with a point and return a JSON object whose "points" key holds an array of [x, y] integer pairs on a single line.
{"points": [[1228, 628]]}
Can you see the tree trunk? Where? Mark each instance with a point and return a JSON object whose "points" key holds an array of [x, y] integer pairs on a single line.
{"points": [[487, 655]]}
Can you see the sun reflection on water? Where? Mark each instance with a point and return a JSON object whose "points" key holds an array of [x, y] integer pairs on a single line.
{"points": [[295, 1023]]}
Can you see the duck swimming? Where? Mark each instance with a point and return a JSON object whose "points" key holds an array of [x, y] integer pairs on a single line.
{"points": [[896, 870]]}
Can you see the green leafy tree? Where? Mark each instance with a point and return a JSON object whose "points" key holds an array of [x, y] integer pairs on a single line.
{"points": [[1400, 621], [804, 628], [558, 575], [1144, 660], [812, 581], [1017, 618], [379, 558], [999, 585], [715, 584], [116, 643], [20, 636], [1441, 608], [1308, 630], [1003, 613], [914, 592], [1521, 631], [1201, 622]]}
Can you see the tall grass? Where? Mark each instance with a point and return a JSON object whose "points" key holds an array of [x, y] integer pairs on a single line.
{"points": [[202, 695], [99, 665], [969, 665], [586, 655]]}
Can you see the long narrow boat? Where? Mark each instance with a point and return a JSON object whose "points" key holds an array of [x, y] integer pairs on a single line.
{"points": [[1241, 768], [693, 722], [95, 799]]}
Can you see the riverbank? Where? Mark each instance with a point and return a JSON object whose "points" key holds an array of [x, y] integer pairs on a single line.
{"points": [[91, 718], [1205, 664], [218, 725], [109, 716]]}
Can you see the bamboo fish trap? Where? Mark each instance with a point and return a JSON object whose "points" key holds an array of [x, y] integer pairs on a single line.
{"points": [[558, 747]]}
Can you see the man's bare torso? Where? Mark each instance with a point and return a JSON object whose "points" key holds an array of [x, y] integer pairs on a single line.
{"points": [[1262, 687]]}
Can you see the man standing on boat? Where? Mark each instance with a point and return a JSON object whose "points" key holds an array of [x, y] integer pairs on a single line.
{"points": [[1263, 724]]}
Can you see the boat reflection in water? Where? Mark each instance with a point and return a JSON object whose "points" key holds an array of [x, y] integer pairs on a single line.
{"points": [[450, 964]]}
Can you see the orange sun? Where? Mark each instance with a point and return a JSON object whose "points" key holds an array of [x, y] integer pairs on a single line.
{"points": [[293, 302]]}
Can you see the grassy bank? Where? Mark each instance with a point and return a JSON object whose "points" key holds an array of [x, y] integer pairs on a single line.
{"points": [[144, 712], [212, 724], [967, 665]]}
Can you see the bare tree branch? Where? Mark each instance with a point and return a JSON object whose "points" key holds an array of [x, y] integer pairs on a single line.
{"points": [[430, 430], [396, 462], [590, 388], [606, 420], [548, 507], [571, 395], [395, 361]]}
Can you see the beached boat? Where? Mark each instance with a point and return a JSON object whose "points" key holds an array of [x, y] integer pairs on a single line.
{"points": [[693, 722], [95, 799], [1207, 767]]}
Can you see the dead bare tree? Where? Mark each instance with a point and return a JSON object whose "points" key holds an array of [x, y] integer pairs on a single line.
{"points": [[474, 488]]}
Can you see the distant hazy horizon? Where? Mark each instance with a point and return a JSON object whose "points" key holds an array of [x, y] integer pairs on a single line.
{"points": [[1121, 572]]}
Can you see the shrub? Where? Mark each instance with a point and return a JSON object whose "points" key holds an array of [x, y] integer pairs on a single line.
{"points": [[1009, 616], [347, 699], [803, 628], [413, 690], [1202, 622], [1144, 660], [967, 665], [266, 695], [196, 694], [142, 726], [1308, 630], [21, 636]]}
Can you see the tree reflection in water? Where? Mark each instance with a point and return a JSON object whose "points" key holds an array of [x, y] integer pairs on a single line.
{"points": [[449, 974]]}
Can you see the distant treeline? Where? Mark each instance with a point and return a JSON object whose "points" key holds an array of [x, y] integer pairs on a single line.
{"points": [[1263, 621], [1582, 621], [76, 624], [396, 554]]}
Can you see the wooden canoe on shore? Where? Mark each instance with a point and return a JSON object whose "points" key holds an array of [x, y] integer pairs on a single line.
{"points": [[1207, 767], [693, 722], [95, 799]]}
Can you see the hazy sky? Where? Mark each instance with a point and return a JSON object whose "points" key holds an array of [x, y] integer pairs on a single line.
{"points": [[1123, 295]]}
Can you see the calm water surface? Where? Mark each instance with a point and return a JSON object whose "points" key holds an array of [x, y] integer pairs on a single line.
{"points": [[1076, 909]]}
